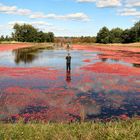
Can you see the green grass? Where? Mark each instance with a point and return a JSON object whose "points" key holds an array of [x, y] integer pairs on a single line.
{"points": [[120, 130]]}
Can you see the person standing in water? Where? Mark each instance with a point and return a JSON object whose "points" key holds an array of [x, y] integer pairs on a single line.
{"points": [[68, 46], [68, 62]]}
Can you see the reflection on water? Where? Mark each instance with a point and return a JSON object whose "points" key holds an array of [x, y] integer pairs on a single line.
{"points": [[68, 76], [27, 55], [23, 56], [136, 65], [104, 59]]}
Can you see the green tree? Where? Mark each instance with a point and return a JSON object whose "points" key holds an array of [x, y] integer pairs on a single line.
{"points": [[25, 33], [126, 37], [16, 35], [7, 38], [116, 35], [40, 37], [103, 36], [135, 30], [132, 35], [50, 37], [2, 38]]}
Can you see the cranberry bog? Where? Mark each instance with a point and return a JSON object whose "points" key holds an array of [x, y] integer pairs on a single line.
{"points": [[104, 83]]}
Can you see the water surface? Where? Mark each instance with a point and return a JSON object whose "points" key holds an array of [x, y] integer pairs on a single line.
{"points": [[35, 85]]}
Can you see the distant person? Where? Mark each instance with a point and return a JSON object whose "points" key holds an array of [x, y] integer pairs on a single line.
{"points": [[68, 46], [68, 62]]}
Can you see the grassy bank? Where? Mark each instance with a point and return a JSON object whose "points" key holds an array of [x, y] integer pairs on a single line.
{"points": [[122, 130]]}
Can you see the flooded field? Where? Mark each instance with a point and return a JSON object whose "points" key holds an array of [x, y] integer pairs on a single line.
{"points": [[103, 84]]}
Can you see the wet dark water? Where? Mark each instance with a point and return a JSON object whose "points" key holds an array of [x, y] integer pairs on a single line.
{"points": [[28, 89]]}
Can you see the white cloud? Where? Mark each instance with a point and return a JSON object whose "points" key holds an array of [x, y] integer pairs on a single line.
{"points": [[135, 20], [23, 12], [74, 16], [129, 12], [27, 12], [41, 23], [104, 3], [132, 3], [13, 10], [108, 3], [7, 9], [128, 7]]}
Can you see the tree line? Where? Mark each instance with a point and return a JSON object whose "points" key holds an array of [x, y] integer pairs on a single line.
{"points": [[28, 33], [84, 39], [115, 35], [118, 35], [6, 38]]}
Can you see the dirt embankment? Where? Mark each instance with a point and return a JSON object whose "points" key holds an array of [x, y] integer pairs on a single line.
{"points": [[7, 47]]}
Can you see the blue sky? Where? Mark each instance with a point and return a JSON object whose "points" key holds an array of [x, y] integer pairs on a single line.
{"points": [[69, 17]]}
